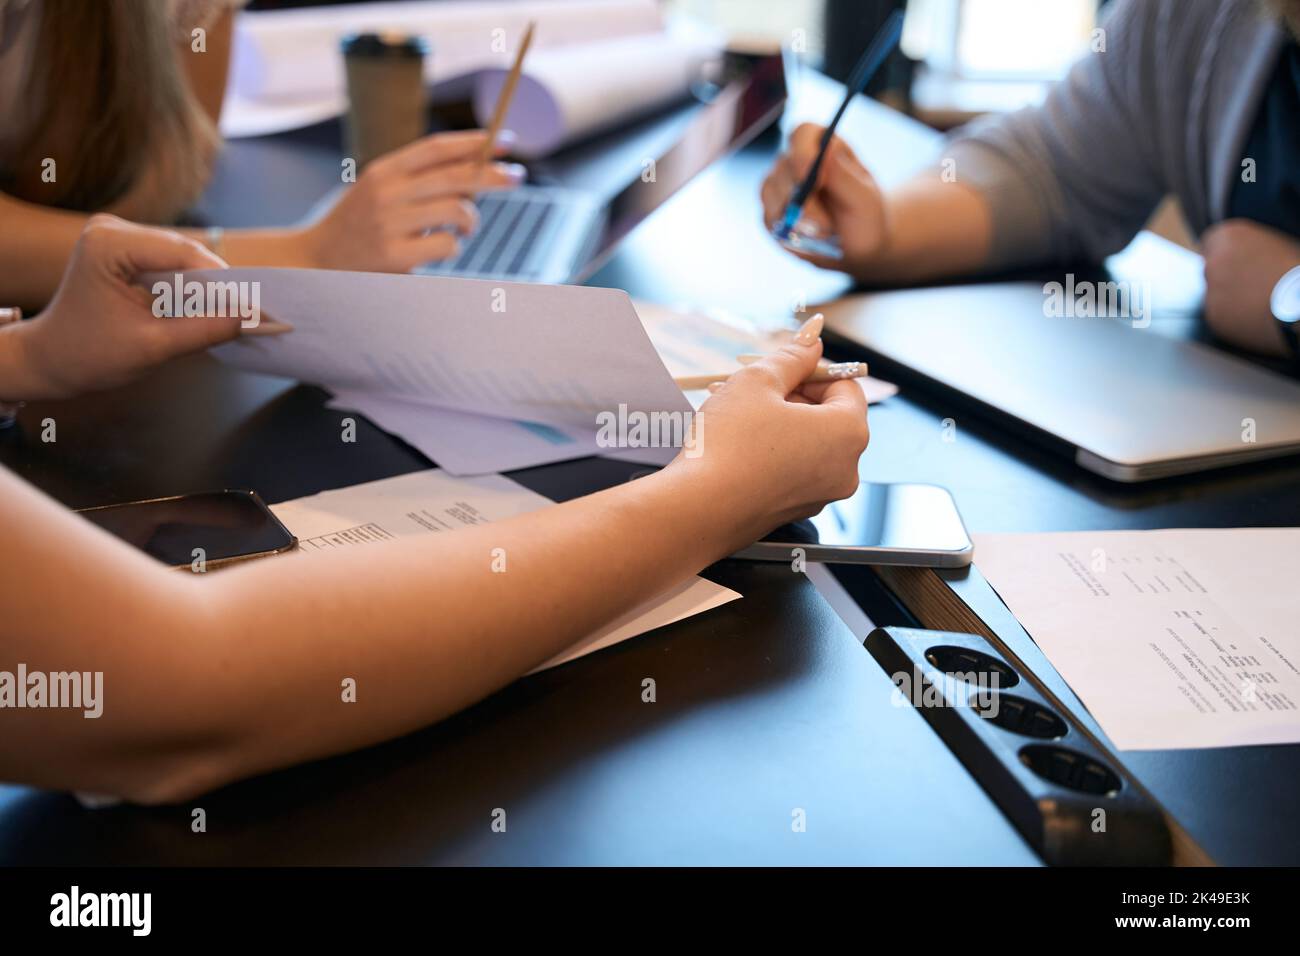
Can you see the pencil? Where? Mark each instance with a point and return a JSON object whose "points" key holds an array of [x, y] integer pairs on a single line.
{"points": [[507, 94], [825, 373]]}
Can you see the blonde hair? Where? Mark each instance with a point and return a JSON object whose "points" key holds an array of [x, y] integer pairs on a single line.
{"points": [[109, 103]]}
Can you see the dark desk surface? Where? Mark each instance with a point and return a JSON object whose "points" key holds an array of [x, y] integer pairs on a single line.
{"points": [[1242, 804], [766, 706]]}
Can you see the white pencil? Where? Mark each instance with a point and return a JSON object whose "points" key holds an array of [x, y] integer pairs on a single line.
{"points": [[830, 372]]}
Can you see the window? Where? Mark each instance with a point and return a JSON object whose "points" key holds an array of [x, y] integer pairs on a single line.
{"points": [[999, 39], [761, 22]]}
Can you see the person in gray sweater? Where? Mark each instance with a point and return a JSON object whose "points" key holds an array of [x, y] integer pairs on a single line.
{"points": [[1199, 99]]}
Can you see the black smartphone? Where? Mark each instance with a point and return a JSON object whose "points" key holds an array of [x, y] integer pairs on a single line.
{"points": [[902, 524], [215, 527]]}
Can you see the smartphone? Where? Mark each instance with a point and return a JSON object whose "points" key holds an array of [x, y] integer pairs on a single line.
{"points": [[217, 527], [902, 524]]}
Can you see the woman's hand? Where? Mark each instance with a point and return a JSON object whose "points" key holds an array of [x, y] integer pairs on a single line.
{"points": [[410, 206], [846, 201], [774, 449], [100, 329]]}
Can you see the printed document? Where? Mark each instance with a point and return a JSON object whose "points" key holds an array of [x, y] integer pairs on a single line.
{"points": [[1172, 639], [481, 376]]}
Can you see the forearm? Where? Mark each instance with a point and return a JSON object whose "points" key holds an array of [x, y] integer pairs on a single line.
{"points": [[12, 380], [36, 243], [283, 248], [1076, 177], [935, 230], [21, 378], [209, 679], [427, 626]]}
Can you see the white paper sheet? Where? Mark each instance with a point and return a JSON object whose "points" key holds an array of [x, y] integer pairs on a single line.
{"points": [[568, 93], [242, 117], [433, 359], [1172, 639], [463, 444], [466, 444], [554, 354], [287, 69], [432, 502], [416, 503], [695, 343], [287, 54]]}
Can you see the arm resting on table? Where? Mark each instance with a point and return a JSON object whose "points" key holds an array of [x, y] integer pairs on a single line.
{"points": [[208, 679]]}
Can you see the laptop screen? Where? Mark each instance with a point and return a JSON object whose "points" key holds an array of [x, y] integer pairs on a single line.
{"points": [[738, 113]]}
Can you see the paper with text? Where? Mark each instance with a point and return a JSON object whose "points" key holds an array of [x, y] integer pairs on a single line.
{"points": [[553, 354], [1172, 639], [430, 358]]}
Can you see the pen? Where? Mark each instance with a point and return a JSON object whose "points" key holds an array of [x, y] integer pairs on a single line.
{"points": [[507, 94], [825, 373], [877, 51]]}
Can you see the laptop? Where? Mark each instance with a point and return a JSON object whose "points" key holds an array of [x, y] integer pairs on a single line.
{"points": [[556, 234], [1131, 404]]}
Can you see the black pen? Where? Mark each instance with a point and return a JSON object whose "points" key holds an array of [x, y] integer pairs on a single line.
{"points": [[883, 44]]}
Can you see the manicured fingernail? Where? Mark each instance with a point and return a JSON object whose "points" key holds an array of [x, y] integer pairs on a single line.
{"points": [[506, 138], [515, 172], [808, 228], [275, 327], [811, 330], [8, 315], [715, 387], [264, 324]]}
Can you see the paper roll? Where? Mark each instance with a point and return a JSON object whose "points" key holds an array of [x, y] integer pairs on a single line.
{"points": [[567, 94], [293, 55]]}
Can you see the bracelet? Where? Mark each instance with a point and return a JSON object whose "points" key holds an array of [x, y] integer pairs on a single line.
{"points": [[8, 410], [215, 239]]}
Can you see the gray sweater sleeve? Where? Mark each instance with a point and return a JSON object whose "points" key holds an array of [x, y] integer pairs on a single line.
{"points": [[1079, 175]]}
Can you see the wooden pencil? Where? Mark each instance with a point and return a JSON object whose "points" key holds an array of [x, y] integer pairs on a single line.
{"points": [[507, 94]]}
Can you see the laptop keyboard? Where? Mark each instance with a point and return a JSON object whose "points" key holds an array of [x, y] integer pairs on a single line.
{"points": [[507, 241]]}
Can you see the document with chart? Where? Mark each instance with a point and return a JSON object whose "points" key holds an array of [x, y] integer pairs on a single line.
{"points": [[427, 357], [1172, 639]]}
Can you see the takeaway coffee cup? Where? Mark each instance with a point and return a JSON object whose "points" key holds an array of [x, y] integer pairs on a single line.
{"points": [[387, 107]]}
